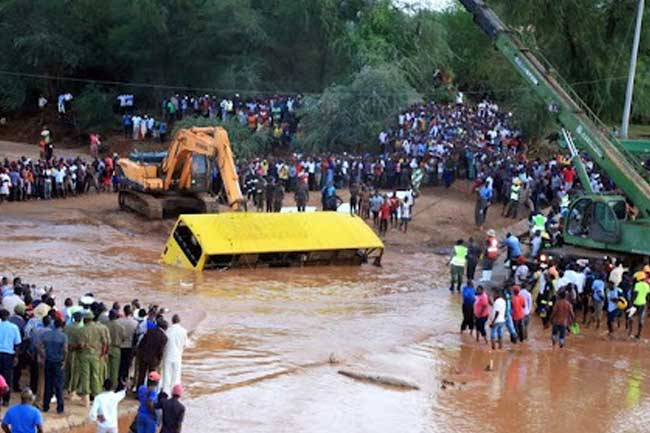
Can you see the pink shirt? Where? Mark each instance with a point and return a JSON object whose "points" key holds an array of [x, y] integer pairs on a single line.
{"points": [[481, 306]]}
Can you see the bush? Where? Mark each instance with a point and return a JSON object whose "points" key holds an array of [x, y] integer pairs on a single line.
{"points": [[94, 108]]}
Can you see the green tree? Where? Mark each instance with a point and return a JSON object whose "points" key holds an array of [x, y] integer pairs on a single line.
{"points": [[349, 117]]}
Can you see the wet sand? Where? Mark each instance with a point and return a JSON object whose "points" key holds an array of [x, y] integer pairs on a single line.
{"points": [[261, 357]]}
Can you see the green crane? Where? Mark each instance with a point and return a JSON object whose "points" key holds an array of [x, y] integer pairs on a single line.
{"points": [[598, 221]]}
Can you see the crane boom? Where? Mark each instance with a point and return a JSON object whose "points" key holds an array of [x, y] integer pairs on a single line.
{"points": [[570, 111]]}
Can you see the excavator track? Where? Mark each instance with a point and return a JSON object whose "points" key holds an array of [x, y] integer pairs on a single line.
{"points": [[210, 203], [143, 204]]}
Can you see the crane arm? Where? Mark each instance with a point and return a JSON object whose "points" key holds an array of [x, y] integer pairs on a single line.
{"points": [[569, 110]]}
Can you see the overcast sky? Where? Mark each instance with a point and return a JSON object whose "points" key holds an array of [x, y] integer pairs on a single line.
{"points": [[434, 4]]}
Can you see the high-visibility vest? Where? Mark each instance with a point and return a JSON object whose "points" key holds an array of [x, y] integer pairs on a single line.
{"points": [[514, 192], [564, 201], [539, 222], [493, 248], [460, 255]]}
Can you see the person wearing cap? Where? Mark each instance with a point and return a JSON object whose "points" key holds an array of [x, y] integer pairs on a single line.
{"points": [[173, 411], [117, 333], [9, 341], [23, 417], [490, 254], [640, 294], [73, 331], [146, 420], [511, 209], [93, 345], [104, 409]]}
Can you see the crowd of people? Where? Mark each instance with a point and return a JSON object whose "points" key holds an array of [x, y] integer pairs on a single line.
{"points": [[50, 177], [88, 352], [557, 290]]}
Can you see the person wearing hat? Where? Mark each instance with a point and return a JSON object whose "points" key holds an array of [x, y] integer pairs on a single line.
{"points": [[93, 345], [511, 209], [23, 417], [146, 420], [173, 411], [639, 301], [490, 254], [73, 331]]}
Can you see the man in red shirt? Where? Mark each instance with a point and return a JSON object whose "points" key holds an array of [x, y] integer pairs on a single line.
{"points": [[569, 174], [518, 308], [384, 215]]}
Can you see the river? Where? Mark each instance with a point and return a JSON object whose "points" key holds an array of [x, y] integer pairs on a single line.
{"points": [[268, 343]]}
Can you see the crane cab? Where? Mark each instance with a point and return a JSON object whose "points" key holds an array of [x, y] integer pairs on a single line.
{"points": [[597, 217]]}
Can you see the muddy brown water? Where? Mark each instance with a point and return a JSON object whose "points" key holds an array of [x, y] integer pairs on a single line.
{"points": [[259, 358]]}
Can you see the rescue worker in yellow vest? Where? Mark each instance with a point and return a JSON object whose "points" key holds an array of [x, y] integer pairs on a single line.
{"points": [[539, 223], [512, 208], [458, 261], [640, 295]]}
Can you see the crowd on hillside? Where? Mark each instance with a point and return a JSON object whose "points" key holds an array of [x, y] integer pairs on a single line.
{"points": [[275, 114], [89, 352]]}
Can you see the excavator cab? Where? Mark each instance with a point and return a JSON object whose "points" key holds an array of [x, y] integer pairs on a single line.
{"points": [[596, 217], [201, 173]]}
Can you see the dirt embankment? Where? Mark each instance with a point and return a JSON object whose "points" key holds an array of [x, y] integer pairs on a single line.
{"points": [[440, 216]]}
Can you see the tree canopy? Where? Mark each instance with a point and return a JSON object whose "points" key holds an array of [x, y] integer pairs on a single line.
{"points": [[337, 51]]}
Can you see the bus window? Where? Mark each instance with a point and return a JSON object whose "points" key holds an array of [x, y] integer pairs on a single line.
{"points": [[188, 243]]}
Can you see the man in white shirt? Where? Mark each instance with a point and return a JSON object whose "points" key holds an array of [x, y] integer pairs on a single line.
{"points": [[498, 319], [104, 408], [173, 355]]}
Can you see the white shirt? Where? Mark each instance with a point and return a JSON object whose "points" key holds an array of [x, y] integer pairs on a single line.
{"points": [[10, 302], [499, 307], [105, 404], [573, 277], [176, 342]]}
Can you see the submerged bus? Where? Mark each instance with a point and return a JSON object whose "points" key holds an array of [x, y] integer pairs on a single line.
{"points": [[241, 239]]}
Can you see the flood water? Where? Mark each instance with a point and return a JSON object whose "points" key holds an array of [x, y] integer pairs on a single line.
{"points": [[259, 357]]}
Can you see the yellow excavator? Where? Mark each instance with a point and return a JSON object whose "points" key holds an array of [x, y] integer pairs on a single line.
{"points": [[182, 182]]}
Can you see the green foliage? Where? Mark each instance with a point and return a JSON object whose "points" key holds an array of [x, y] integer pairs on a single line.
{"points": [[348, 117], [311, 46], [244, 143], [94, 108]]}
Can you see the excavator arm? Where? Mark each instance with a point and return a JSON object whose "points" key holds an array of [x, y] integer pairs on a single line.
{"points": [[567, 107], [211, 142]]}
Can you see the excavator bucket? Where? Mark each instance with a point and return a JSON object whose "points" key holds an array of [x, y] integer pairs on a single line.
{"points": [[231, 240]]}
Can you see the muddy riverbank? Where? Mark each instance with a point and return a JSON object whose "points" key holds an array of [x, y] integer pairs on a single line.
{"points": [[269, 344]]}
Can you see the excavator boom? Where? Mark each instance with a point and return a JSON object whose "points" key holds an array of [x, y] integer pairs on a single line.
{"points": [[181, 183]]}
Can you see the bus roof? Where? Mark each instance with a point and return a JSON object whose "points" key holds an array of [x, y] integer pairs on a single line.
{"points": [[252, 232]]}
